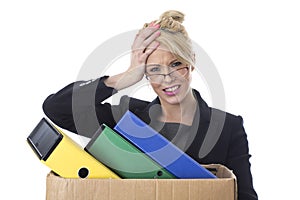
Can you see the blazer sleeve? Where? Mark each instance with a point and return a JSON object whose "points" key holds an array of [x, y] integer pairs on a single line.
{"points": [[238, 161], [78, 107]]}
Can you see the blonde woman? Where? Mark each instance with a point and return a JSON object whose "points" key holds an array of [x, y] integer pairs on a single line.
{"points": [[162, 51]]}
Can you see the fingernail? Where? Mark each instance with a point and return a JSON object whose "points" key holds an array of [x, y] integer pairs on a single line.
{"points": [[156, 26]]}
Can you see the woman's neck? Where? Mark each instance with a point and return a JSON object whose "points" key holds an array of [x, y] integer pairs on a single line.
{"points": [[182, 112]]}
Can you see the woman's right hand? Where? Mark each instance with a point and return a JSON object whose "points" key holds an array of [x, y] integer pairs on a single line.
{"points": [[143, 45]]}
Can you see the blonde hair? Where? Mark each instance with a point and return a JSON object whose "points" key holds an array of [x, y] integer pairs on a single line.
{"points": [[174, 36]]}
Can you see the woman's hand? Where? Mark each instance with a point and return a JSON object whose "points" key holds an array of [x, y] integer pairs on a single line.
{"points": [[144, 44]]}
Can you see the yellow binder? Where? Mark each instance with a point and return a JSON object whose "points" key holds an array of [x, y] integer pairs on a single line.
{"points": [[63, 155]]}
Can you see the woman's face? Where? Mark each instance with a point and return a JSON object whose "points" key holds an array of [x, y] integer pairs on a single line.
{"points": [[169, 77]]}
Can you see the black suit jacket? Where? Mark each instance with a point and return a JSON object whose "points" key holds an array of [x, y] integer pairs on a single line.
{"points": [[218, 137]]}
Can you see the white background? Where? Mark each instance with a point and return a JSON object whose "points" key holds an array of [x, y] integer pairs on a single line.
{"points": [[253, 44]]}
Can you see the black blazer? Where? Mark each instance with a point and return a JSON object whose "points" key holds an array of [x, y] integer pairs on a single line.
{"points": [[219, 137]]}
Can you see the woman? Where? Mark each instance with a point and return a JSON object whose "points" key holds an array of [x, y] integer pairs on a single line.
{"points": [[162, 51]]}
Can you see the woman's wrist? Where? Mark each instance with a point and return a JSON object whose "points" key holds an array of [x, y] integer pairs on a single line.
{"points": [[123, 80]]}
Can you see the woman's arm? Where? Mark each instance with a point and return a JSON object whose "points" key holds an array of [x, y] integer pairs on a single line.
{"points": [[76, 101], [142, 47], [78, 107]]}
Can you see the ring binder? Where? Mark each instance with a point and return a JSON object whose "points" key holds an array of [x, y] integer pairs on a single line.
{"points": [[159, 148], [63, 155]]}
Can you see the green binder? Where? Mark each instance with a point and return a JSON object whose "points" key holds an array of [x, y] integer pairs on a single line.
{"points": [[122, 157]]}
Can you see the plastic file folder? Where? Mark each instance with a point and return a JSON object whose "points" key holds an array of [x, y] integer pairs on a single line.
{"points": [[122, 157], [63, 155], [159, 148]]}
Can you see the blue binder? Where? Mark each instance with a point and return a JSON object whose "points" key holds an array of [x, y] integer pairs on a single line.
{"points": [[159, 148]]}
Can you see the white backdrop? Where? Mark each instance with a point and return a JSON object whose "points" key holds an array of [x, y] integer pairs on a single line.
{"points": [[253, 44]]}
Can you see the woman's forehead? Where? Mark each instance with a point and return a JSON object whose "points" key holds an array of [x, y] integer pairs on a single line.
{"points": [[161, 56]]}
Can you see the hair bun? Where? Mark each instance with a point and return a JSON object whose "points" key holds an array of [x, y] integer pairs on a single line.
{"points": [[173, 14], [171, 20]]}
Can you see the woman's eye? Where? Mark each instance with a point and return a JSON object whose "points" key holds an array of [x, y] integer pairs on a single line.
{"points": [[176, 64], [153, 69]]}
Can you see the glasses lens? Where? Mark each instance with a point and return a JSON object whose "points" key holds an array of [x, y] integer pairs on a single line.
{"points": [[156, 74], [180, 72], [156, 78], [155, 69]]}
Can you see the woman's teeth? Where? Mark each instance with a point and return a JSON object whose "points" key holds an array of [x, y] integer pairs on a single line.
{"points": [[171, 89]]}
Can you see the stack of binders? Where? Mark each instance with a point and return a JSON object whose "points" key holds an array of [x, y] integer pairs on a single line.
{"points": [[132, 149], [123, 157]]}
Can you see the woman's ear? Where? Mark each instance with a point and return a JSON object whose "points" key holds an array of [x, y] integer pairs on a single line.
{"points": [[192, 68]]}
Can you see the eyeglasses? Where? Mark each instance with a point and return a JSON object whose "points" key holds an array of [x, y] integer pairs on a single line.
{"points": [[177, 73]]}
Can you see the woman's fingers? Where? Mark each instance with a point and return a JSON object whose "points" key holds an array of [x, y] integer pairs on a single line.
{"points": [[152, 46], [145, 37], [143, 45], [151, 38]]}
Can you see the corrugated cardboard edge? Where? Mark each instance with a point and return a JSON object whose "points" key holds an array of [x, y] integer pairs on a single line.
{"points": [[57, 186]]}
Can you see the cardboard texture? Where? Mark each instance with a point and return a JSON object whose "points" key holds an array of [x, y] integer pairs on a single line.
{"points": [[222, 188]]}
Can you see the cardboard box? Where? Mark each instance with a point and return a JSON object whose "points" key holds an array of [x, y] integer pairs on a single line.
{"points": [[222, 188]]}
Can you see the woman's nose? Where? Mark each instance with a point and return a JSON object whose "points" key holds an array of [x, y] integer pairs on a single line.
{"points": [[168, 78]]}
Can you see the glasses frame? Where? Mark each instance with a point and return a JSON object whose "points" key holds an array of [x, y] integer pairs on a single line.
{"points": [[148, 77]]}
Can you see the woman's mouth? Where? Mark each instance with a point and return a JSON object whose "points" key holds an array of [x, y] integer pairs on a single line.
{"points": [[170, 91]]}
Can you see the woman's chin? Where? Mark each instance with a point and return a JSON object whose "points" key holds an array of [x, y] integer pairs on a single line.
{"points": [[171, 99]]}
